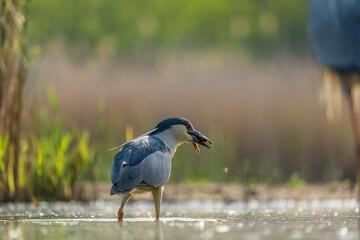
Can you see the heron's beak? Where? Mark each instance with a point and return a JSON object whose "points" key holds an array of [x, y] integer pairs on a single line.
{"points": [[198, 138]]}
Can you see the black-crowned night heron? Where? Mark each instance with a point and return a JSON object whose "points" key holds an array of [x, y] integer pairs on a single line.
{"points": [[334, 28], [144, 164]]}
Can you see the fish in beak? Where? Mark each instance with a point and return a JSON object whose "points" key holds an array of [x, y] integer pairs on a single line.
{"points": [[198, 138]]}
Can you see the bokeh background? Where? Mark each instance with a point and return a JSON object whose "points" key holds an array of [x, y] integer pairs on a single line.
{"points": [[242, 72]]}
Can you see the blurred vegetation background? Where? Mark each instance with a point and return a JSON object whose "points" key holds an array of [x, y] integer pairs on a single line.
{"points": [[255, 27], [242, 72]]}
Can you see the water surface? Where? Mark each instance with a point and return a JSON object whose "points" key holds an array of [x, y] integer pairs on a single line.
{"points": [[276, 219]]}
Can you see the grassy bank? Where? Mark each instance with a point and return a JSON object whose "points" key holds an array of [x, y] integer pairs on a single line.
{"points": [[233, 192]]}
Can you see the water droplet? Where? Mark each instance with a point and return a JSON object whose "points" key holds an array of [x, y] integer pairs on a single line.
{"points": [[231, 212], [222, 228], [200, 225], [343, 231], [15, 233]]}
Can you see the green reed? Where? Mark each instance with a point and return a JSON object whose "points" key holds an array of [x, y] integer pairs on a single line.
{"points": [[54, 162]]}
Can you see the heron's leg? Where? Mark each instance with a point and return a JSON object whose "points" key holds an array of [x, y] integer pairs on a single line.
{"points": [[157, 195], [124, 199]]}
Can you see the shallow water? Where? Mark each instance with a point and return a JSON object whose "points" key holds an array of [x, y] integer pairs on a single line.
{"points": [[276, 219]]}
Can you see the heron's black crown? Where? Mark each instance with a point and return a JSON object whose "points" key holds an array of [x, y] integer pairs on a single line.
{"points": [[167, 123]]}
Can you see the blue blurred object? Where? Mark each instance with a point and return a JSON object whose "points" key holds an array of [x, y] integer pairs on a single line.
{"points": [[334, 27]]}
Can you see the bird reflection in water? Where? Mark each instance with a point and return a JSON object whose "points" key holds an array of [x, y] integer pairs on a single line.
{"points": [[132, 231]]}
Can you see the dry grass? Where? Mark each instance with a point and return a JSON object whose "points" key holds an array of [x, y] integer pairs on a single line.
{"points": [[264, 116]]}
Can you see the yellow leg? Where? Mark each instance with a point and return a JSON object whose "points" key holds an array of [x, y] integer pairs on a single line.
{"points": [[157, 195], [124, 199]]}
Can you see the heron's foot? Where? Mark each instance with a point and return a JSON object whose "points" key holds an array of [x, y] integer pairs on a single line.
{"points": [[120, 214]]}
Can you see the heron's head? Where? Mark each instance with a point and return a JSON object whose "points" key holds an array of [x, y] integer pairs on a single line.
{"points": [[182, 130]]}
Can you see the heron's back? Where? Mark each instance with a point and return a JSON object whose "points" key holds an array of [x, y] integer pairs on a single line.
{"points": [[143, 161]]}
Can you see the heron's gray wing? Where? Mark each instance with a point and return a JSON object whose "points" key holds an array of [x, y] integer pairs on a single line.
{"points": [[129, 178], [334, 29], [128, 163], [157, 168]]}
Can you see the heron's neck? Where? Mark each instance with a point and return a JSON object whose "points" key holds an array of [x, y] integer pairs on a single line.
{"points": [[169, 140]]}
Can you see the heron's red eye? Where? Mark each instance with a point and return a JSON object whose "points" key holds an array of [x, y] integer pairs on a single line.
{"points": [[188, 126]]}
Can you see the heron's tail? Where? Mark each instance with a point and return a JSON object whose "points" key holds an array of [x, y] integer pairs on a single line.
{"points": [[116, 190]]}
